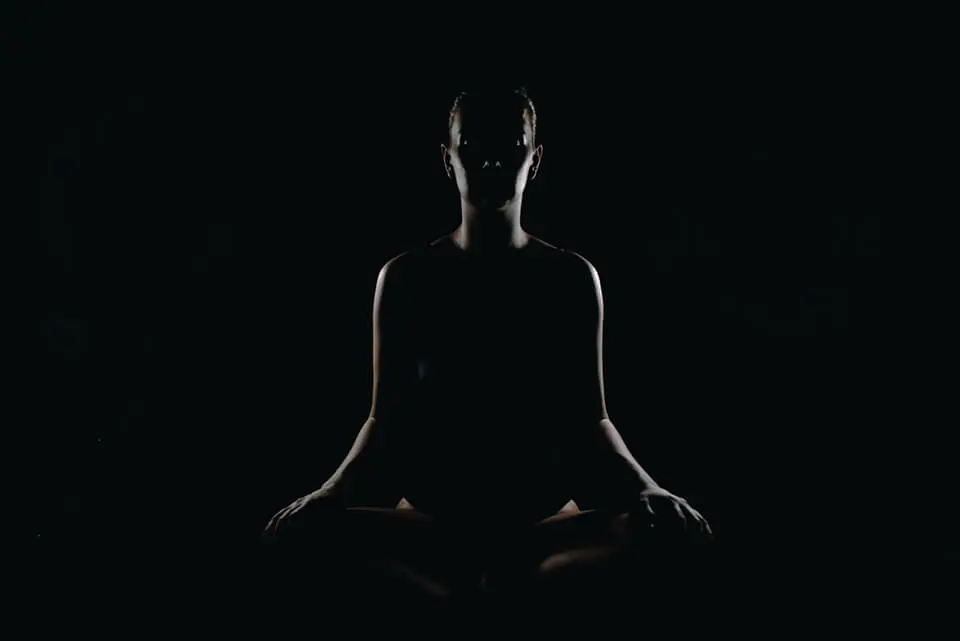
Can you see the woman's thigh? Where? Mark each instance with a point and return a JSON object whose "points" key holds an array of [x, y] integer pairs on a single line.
{"points": [[376, 551], [603, 556]]}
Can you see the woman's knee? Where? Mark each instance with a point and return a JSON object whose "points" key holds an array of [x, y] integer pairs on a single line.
{"points": [[608, 572], [362, 544]]}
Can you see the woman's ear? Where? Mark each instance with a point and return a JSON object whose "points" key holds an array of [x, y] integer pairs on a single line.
{"points": [[447, 167], [535, 163]]}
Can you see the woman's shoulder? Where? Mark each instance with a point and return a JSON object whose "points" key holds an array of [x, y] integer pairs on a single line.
{"points": [[408, 270], [567, 262], [442, 256]]}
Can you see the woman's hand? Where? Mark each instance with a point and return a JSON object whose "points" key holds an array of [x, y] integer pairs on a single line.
{"points": [[660, 509], [311, 508]]}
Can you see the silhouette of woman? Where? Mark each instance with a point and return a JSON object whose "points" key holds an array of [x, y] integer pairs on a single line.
{"points": [[488, 459]]}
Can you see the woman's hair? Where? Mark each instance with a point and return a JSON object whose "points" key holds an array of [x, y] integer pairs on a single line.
{"points": [[497, 96]]}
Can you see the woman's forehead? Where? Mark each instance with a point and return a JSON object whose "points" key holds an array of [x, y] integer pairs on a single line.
{"points": [[491, 118]]}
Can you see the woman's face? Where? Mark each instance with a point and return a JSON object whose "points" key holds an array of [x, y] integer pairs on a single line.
{"points": [[491, 153]]}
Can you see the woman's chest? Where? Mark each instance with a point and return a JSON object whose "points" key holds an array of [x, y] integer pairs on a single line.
{"points": [[490, 340]]}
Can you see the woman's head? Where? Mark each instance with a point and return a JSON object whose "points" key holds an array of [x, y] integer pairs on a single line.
{"points": [[491, 149]]}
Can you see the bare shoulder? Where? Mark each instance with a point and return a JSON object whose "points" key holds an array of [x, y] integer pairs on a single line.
{"points": [[395, 283], [584, 271], [575, 271], [403, 277], [391, 272], [400, 270]]}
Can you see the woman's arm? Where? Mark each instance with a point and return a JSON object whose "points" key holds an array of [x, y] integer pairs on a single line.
{"points": [[368, 474], [606, 475]]}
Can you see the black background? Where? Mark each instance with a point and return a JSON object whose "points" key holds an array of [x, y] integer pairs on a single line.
{"points": [[217, 198]]}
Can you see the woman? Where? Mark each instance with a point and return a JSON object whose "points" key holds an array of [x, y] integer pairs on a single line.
{"points": [[488, 459]]}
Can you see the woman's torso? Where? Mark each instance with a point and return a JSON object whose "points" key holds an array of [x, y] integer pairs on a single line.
{"points": [[486, 410]]}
